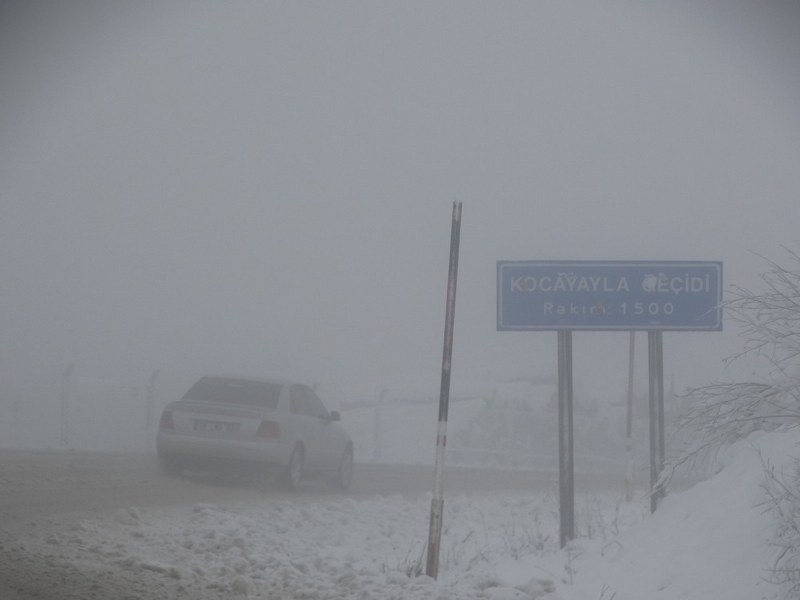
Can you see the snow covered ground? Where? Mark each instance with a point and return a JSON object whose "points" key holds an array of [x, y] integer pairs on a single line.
{"points": [[709, 542]]}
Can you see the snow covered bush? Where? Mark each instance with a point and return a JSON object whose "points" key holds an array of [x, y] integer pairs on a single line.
{"points": [[721, 413], [783, 493]]}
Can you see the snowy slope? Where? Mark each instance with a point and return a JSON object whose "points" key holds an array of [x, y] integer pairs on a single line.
{"points": [[709, 542]]}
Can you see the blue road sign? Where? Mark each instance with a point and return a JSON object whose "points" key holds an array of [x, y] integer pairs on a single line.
{"points": [[610, 295]]}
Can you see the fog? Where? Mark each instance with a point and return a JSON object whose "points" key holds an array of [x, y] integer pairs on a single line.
{"points": [[266, 188]]}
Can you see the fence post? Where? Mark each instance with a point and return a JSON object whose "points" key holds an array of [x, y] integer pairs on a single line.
{"points": [[65, 390], [377, 433], [14, 423], [151, 407]]}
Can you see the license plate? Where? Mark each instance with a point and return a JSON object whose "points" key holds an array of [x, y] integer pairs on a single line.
{"points": [[215, 426]]}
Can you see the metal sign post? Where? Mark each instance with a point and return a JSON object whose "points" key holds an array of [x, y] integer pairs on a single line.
{"points": [[629, 421], [437, 502], [566, 462], [655, 352]]}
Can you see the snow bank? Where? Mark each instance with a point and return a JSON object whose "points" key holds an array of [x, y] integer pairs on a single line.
{"points": [[712, 541], [343, 549]]}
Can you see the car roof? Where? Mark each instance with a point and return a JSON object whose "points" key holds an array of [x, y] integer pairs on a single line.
{"points": [[240, 377]]}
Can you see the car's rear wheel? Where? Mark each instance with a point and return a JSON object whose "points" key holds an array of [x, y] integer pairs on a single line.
{"points": [[344, 474], [294, 471]]}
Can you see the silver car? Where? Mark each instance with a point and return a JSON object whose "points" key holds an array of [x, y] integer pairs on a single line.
{"points": [[271, 424]]}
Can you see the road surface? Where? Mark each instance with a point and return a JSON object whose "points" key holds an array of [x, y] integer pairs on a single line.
{"points": [[41, 488], [40, 483]]}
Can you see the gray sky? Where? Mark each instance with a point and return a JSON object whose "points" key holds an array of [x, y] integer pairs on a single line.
{"points": [[266, 187]]}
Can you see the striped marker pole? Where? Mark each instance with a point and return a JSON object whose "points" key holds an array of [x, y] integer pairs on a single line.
{"points": [[437, 502]]}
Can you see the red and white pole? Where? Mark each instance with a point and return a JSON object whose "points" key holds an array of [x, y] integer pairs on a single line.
{"points": [[437, 502]]}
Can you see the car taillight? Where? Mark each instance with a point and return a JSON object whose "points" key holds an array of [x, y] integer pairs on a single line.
{"points": [[166, 421], [268, 429]]}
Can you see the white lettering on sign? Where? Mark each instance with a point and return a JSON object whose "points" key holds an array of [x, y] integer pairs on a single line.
{"points": [[572, 309], [568, 282], [676, 285]]}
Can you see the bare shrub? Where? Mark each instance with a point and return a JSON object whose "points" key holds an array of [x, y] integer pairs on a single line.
{"points": [[783, 500], [721, 413]]}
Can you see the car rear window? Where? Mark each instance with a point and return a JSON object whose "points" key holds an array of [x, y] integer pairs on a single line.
{"points": [[261, 394]]}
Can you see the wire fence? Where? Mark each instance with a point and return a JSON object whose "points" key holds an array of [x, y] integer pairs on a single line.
{"points": [[84, 410]]}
